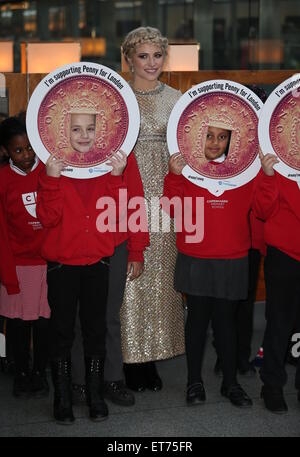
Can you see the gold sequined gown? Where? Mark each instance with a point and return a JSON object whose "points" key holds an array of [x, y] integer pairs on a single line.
{"points": [[152, 316]]}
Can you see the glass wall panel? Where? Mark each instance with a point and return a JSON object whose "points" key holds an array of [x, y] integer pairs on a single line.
{"points": [[233, 34]]}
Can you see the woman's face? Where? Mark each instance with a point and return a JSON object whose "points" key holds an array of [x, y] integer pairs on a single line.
{"points": [[216, 142], [83, 129], [147, 62]]}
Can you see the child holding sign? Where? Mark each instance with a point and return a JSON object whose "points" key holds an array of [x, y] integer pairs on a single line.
{"points": [[78, 251], [277, 202], [213, 271]]}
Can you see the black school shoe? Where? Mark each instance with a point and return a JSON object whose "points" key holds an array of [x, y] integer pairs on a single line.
{"points": [[116, 392], [22, 386], [237, 396], [195, 394], [274, 399]]}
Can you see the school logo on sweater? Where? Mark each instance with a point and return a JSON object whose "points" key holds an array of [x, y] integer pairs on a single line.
{"points": [[29, 201]]}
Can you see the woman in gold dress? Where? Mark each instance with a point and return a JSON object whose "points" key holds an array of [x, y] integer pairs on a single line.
{"points": [[152, 316]]}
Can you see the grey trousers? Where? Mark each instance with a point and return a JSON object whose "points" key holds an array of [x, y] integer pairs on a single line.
{"points": [[113, 367]]}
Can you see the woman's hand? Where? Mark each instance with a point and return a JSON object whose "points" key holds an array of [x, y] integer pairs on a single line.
{"points": [[118, 163], [54, 166], [134, 270], [267, 163], [176, 163]]}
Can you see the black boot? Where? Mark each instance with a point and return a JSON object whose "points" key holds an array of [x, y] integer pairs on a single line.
{"points": [[94, 369], [153, 381], [135, 376], [61, 376]]}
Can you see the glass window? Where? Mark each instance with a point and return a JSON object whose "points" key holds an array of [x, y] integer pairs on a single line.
{"points": [[30, 20], [57, 21], [233, 34]]}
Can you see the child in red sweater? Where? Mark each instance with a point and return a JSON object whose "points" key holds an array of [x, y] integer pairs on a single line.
{"points": [[23, 291], [127, 261], [277, 202], [78, 251], [212, 271]]}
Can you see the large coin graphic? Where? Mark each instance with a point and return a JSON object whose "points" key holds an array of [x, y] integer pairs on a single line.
{"points": [[279, 127], [217, 106], [82, 113]]}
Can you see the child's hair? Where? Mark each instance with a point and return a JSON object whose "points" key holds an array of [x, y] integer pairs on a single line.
{"points": [[22, 116], [259, 91], [143, 35], [9, 128]]}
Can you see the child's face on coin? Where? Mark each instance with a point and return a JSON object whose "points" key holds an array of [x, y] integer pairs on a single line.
{"points": [[82, 132], [217, 140]]}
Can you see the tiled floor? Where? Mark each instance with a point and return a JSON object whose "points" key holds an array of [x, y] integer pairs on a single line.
{"points": [[162, 413]]}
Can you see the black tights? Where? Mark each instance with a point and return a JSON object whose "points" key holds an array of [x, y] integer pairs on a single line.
{"points": [[222, 313], [20, 333]]}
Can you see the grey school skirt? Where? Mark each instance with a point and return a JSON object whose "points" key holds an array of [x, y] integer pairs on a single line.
{"points": [[220, 278]]}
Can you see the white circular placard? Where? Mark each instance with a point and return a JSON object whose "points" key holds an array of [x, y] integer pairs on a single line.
{"points": [[224, 104], [279, 127], [83, 112]]}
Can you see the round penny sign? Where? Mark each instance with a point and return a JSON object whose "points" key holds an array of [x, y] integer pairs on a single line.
{"points": [[279, 127], [83, 113], [214, 126]]}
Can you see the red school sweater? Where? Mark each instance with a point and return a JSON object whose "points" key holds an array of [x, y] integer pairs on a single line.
{"points": [[257, 234], [67, 208], [137, 241], [21, 233], [225, 219], [277, 202]]}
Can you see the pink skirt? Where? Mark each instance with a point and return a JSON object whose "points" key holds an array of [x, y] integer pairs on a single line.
{"points": [[31, 303]]}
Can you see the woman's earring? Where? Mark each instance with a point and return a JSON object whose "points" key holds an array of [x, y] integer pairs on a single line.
{"points": [[132, 68]]}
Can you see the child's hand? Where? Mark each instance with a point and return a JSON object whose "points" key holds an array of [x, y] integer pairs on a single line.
{"points": [[134, 270], [118, 163], [54, 166], [176, 163], [267, 163]]}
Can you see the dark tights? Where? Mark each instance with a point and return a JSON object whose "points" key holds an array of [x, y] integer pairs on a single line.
{"points": [[222, 313], [20, 332]]}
